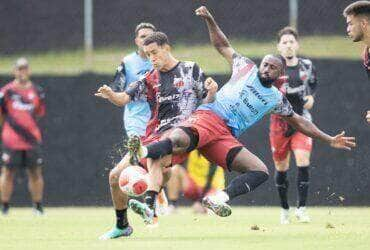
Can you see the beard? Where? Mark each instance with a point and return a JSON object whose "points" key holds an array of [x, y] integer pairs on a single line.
{"points": [[266, 81], [358, 38]]}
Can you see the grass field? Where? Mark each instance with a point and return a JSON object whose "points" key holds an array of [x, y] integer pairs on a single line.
{"points": [[105, 60], [79, 228]]}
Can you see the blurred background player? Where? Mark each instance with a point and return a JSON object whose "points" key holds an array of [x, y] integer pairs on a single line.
{"points": [[198, 179], [357, 17], [21, 104], [299, 85]]}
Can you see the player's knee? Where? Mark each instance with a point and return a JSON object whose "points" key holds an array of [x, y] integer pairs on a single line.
{"points": [[8, 173], [179, 139], [114, 178]]}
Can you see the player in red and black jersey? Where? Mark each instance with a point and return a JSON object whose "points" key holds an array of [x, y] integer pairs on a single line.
{"points": [[173, 89], [299, 85], [21, 104], [357, 16]]}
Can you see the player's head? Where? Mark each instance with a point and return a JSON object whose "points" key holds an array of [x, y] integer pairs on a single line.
{"points": [[357, 16], [288, 42], [157, 48], [270, 69], [143, 30], [21, 70]]}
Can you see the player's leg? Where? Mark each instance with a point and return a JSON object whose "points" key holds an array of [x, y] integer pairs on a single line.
{"points": [[302, 147], [174, 185], [280, 147], [11, 161], [156, 169], [33, 163], [6, 182], [253, 173], [122, 227], [36, 187]]}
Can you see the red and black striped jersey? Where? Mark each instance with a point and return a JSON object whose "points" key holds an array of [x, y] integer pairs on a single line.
{"points": [[20, 109]]}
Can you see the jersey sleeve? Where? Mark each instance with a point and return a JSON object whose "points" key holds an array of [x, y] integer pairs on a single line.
{"points": [[2, 101], [241, 63], [41, 108], [312, 81], [283, 108], [137, 90], [119, 80], [199, 79]]}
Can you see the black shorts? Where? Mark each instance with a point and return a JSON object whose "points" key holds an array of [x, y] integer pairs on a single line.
{"points": [[22, 158]]}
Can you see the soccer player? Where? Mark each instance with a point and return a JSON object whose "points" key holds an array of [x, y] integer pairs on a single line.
{"points": [[240, 103], [357, 16], [133, 67], [21, 105], [173, 89], [299, 85], [198, 179]]}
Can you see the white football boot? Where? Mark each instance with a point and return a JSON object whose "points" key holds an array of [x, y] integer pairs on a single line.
{"points": [[302, 215], [284, 216]]}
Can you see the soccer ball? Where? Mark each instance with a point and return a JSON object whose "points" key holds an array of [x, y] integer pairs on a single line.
{"points": [[133, 181]]}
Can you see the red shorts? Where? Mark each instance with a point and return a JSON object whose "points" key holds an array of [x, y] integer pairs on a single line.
{"points": [[155, 137], [281, 145], [193, 191], [215, 138]]}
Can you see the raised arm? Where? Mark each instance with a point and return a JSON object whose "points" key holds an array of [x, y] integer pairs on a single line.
{"points": [[117, 98], [308, 128], [217, 37]]}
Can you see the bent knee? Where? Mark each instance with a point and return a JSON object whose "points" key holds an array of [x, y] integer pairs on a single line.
{"points": [[114, 177]]}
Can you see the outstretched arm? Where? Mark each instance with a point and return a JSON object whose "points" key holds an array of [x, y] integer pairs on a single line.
{"points": [[308, 128], [217, 37], [117, 98]]}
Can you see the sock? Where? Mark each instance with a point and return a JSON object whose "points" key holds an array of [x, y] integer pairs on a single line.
{"points": [[158, 149], [245, 183], [38, 206], [282, 185], [121, 218], [172, 202], [150, 198], [5, 207], [303, 178]]}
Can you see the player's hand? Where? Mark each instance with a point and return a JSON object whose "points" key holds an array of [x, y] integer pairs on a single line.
{"points": [[203, 12], [211, 86], [342, 142], [368, 116], [104, 92], [309, 100]]}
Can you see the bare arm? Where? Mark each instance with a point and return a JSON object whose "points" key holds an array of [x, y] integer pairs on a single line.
{"points": [[117, 98], [308, 128], [217, 37], [211, 86]]}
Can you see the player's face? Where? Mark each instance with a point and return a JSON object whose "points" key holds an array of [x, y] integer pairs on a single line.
{"points": [[270, 69], [141, 35], [288, 46], [22, 74], [354, 28], [158, 55]]}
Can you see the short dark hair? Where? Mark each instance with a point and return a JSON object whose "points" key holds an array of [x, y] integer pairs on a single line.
{"points": [[358, 8], [157, 37], [141, 26], [287, 31]]}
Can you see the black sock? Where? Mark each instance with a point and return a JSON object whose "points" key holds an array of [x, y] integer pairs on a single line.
{"points": [[172, 202], [159, 149], [5, 207], [282, 185], [150, 198], [121, 218], [38, 206], [303, 178], [245, 183]]}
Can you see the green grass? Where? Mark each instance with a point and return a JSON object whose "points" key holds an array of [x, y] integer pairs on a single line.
{"points": [[105, 60], [78, 229]]}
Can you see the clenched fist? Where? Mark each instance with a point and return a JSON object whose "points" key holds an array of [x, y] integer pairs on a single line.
{"points": [[104, 92], [203, 12]]}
